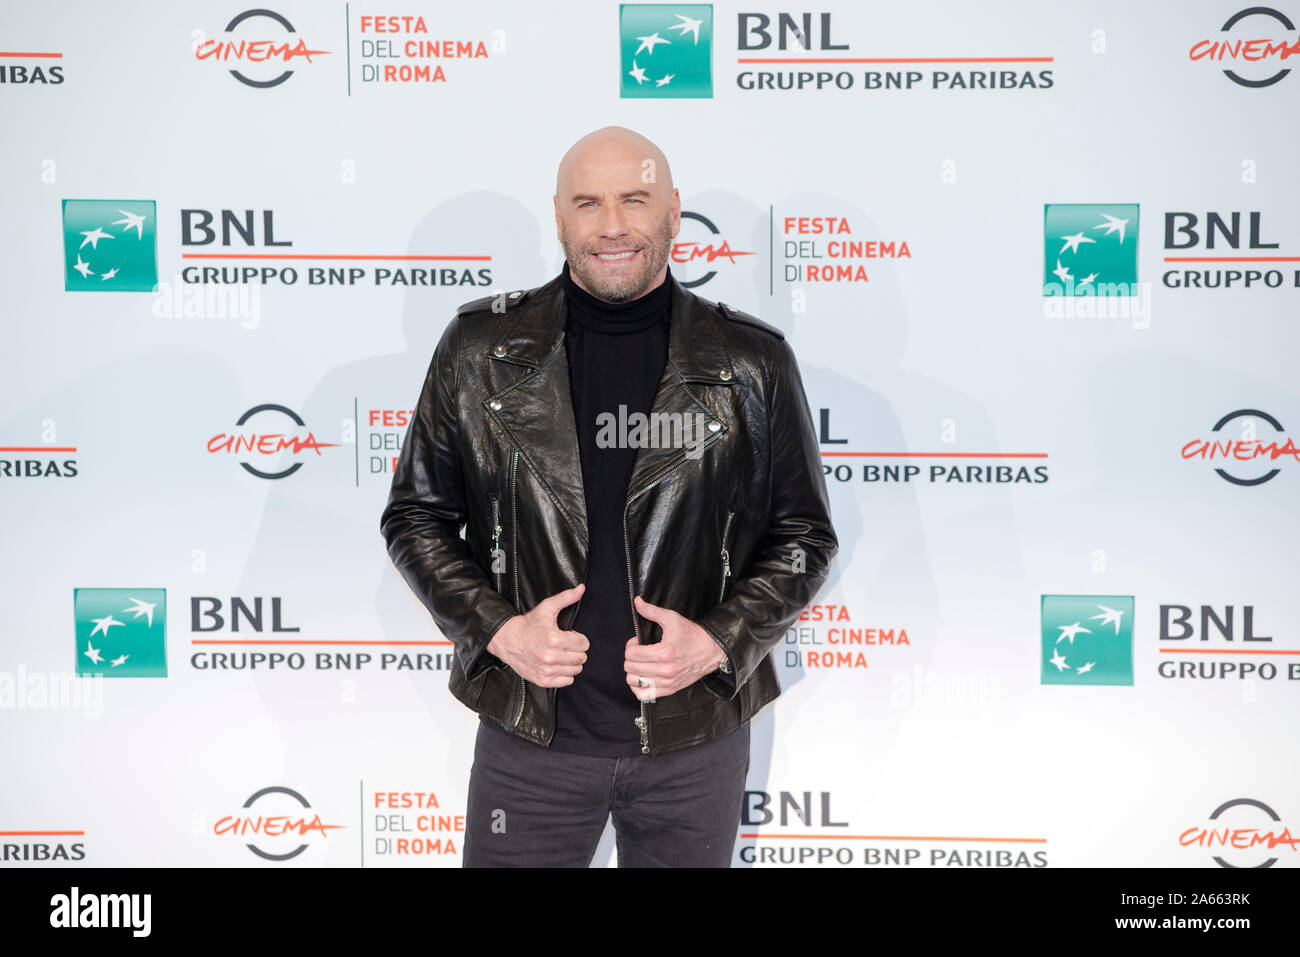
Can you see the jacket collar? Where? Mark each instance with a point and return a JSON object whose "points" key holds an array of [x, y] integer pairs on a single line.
{"points": [[536, 410], [693, 345]]}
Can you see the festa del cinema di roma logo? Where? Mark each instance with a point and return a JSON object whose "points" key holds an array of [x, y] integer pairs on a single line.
{"points": [[1243, 832], [699, 249], [666, 50], [1256, 41], [1239, 453], [278, 824], [1087, 639], [262, 43], [110, 245], [268, 446]]}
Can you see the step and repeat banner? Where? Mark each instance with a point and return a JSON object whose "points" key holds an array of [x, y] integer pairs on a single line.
{"points": [[1040, 265]]}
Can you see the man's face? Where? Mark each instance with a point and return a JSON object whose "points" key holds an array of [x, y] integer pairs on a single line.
{"points": [[617, 229]]}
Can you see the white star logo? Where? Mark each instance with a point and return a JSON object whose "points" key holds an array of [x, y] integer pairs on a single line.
{"points": [[649, 43], [139, 608], [92, 653], [132, 221], [666, 80], [109, 275], [1072, 242], [83, 267], [1087, 280], [103, 624], [687, 26], [1069, 631], [637, 73], [1062, 271], [93, 236], [1111, 617], [1084, 669], [1059, 660], [1113, 224], [119, 660]]}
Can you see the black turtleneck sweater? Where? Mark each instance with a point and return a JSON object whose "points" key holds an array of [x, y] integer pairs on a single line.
{"points": [[616, 357]]}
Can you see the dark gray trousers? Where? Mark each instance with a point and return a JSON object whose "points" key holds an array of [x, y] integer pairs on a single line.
{"points": [[533, 807]]}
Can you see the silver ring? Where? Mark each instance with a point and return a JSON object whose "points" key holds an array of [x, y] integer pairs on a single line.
{"points": [[641, 682]]}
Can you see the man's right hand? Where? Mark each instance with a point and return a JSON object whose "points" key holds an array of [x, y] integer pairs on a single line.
{"points": [[537, 648]]}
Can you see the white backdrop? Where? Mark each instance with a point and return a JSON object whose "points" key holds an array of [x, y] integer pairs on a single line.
{"points": [[957, 747]]}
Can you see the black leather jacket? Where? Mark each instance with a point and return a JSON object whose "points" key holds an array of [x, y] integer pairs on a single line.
{"points": [[730, 528]]}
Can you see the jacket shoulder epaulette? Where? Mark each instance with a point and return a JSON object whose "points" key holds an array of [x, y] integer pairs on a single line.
{"points": [[508, 300], [737, 316]]}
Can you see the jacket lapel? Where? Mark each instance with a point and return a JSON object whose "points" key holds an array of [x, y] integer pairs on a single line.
{"points": [[696, 358]]}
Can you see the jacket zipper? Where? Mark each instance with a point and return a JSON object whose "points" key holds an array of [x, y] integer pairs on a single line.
{"points": [[496, 536], [642, 723], [514, 548], [726, 558]]}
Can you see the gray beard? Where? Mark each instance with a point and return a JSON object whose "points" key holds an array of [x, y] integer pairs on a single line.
{"points": [[631, 287]]}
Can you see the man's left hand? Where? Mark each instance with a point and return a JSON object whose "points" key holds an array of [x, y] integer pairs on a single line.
{"points": [[684, 654]]}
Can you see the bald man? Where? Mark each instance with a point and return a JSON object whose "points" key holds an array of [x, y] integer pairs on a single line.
{"points": [[619, 589], [616, 214]]}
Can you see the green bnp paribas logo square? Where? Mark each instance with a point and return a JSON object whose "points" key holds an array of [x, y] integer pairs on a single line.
{"points": [[121, 632], [1090, 249], [110, 245], [1087, 639], [666, 50]]}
